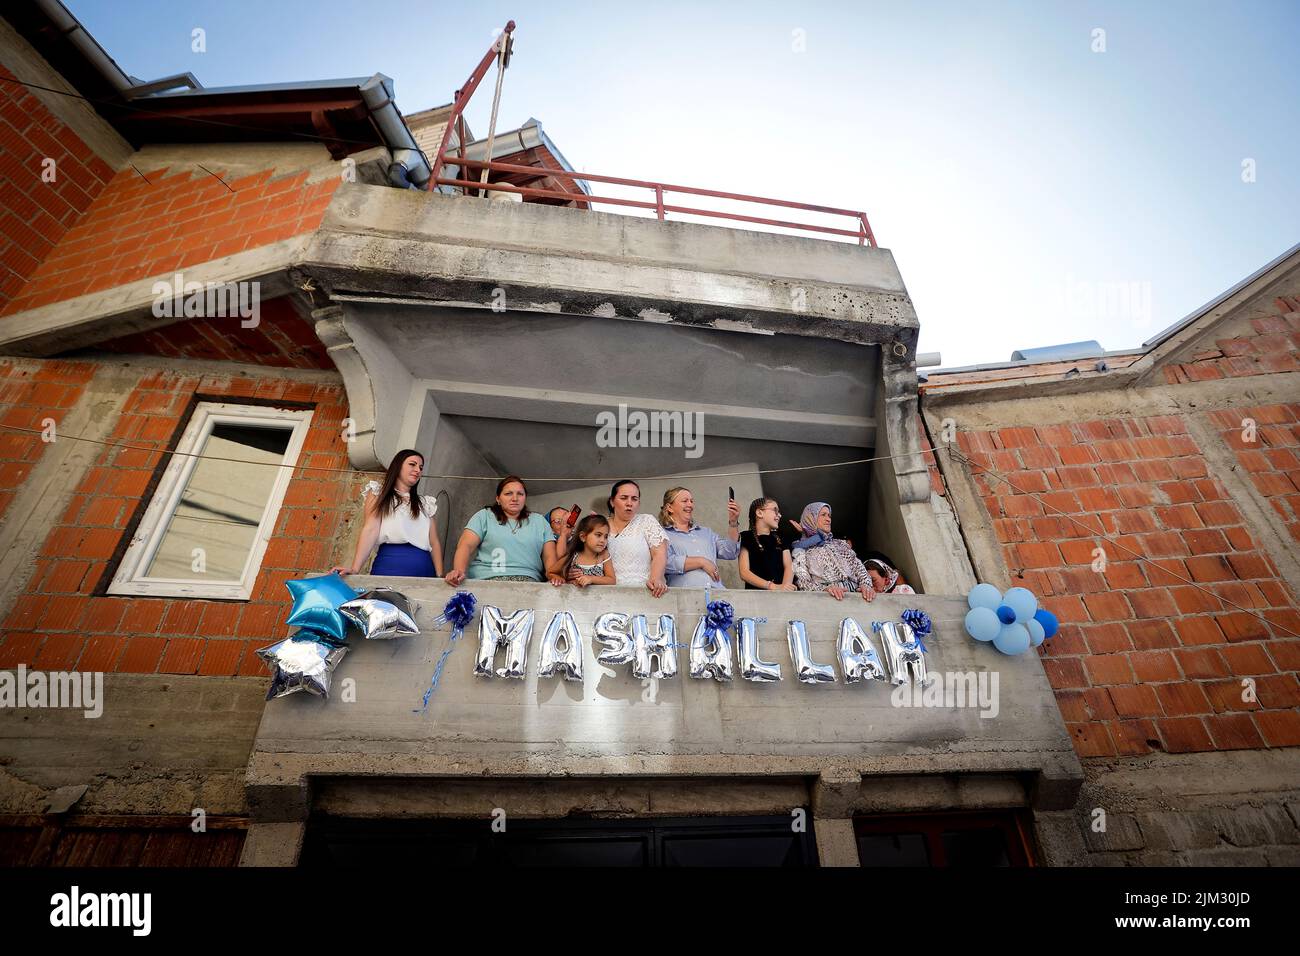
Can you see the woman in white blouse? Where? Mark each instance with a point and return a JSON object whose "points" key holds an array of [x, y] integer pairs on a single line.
{"points": [[637, 545], [401, 521]]}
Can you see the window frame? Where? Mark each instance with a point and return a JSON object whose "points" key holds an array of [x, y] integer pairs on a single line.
{"points": [[147, 537]]}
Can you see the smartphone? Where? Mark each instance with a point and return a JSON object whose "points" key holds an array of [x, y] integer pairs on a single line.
{"points": [[731, 493], [570, 521]]}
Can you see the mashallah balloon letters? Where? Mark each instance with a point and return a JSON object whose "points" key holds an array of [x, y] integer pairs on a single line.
{"points": [[753, 667], [711, 644], [513, 633], [562, 631], [805, 668], [323, 607], [661, 647], [858, 659]]}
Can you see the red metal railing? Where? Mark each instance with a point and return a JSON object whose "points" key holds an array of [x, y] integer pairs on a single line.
{"points": [[861, 230]]}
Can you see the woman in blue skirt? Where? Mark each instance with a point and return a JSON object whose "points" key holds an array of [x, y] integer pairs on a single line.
{"points": [[401, 521]]}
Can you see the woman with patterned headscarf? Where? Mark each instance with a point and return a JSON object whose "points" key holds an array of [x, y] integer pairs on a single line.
{"points": [[885, 578], [827, 563]]}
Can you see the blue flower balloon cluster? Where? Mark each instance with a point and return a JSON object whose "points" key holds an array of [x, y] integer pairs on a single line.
{"points": [[1013, 621]]}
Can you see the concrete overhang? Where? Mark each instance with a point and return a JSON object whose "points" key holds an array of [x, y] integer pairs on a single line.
{"points": [[466, 252], [529, 314]]}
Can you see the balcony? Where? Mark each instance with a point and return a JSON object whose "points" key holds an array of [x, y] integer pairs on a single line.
{"points": [[378, 755]]}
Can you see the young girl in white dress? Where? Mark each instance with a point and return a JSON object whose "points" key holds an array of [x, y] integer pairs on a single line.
{"points": [[586, 560]]}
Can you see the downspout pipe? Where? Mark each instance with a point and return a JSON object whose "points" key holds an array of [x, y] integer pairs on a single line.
{"points": [[409, 168]]}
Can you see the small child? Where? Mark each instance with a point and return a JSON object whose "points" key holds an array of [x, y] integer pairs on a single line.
{"points": [[586, 560]]}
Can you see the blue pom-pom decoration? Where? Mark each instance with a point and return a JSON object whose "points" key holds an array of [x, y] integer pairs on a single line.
{"points": [[459, 611], [718, 615]]}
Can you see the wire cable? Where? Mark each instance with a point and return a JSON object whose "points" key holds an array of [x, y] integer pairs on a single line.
{"points": [[356, 471]]}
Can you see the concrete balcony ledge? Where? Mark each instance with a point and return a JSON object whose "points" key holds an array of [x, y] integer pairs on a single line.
{"points": [[458, 251], [612, 724]]}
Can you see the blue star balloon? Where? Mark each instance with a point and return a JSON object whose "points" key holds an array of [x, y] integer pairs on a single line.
{"points": [[316, 604]]}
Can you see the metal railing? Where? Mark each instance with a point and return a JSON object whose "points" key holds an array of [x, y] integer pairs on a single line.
{"points": [[862, 231], [501, 49]]}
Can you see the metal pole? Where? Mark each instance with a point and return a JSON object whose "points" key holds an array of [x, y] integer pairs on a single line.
{"points": [[462, 98], [496, 101]]}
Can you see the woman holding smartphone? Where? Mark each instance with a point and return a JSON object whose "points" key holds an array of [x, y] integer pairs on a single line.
{"points": [[764, 558], [694, 551]]}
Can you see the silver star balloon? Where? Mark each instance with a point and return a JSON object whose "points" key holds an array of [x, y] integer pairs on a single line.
{"points": [[381, 614], [301, 664]]}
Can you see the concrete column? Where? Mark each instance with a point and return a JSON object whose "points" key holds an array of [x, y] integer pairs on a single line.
{"points": [[836, 844], [273, 844]]}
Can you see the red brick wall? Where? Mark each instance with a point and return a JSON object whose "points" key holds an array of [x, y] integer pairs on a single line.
{"points": [[35, 215], [281, 338], [1144, 662], [31, 392], [1271, 345], [138, 229], [1268, 449], [58, 623]]}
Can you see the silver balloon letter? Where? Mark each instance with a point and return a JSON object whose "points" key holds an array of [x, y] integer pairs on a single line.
{"points": [[568, 662], [902, 653], [804, 667], [858, 660], [662, 646], [513, 632], [752, 667], [710, 652], [611, 633]]}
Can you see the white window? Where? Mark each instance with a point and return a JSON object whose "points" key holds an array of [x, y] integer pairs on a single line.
{"points": [[208, 524]]}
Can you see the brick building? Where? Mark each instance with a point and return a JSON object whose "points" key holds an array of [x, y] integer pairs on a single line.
{"points": [[1169, 700]]}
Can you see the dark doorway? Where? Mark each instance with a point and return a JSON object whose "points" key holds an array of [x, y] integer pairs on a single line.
{"points": [[971, 840], [696, 841]]}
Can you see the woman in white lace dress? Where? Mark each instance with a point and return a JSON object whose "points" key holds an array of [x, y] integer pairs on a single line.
{"points": [[637, 544]]}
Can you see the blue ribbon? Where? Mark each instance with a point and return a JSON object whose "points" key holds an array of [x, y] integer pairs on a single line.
{"points": [[458, 612], [920, 624], [718, 615]]}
